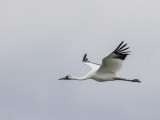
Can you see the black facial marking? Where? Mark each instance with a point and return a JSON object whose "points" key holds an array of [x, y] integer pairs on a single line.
{"points": [[67, 77]]}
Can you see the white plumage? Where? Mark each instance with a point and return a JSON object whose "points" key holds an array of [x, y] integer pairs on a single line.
{"points": [[107, 71]]}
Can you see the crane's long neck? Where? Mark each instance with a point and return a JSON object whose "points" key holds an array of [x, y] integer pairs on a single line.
{"points": [[78, 78], [85, 77]]}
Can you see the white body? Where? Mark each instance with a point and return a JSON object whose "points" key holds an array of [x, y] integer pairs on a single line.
{"points": [[107, 71]]}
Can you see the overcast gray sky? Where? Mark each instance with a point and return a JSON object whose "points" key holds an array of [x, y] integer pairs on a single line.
{"points": [[42, 40]]}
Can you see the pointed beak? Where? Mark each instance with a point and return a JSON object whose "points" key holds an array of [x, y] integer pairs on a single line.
{"points": [[62, 78]]}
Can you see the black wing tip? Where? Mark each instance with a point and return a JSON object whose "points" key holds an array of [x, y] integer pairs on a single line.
{"points": [[121, 49], [85, 58]]}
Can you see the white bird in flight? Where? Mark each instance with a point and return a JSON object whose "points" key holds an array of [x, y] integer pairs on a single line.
{"points": [[107, 71]]}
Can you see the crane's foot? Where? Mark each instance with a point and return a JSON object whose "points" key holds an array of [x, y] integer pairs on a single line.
{"points": [[136, 80]]}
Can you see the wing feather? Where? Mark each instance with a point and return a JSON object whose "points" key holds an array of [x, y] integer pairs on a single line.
{"points": [[94, 66], [113, 62], [124, 49]]}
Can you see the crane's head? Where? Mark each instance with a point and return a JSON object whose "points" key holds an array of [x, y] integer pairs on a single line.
{"points": [[68, 77]]}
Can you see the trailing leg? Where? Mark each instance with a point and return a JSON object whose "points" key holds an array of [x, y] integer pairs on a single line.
{"points": [[124, 79]]}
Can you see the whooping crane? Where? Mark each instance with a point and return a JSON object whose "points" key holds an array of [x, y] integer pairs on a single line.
{"points": [[107, 71]]}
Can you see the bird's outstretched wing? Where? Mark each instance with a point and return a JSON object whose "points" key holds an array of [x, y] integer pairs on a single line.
{"points": [[94, 66], [113, 62]]}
